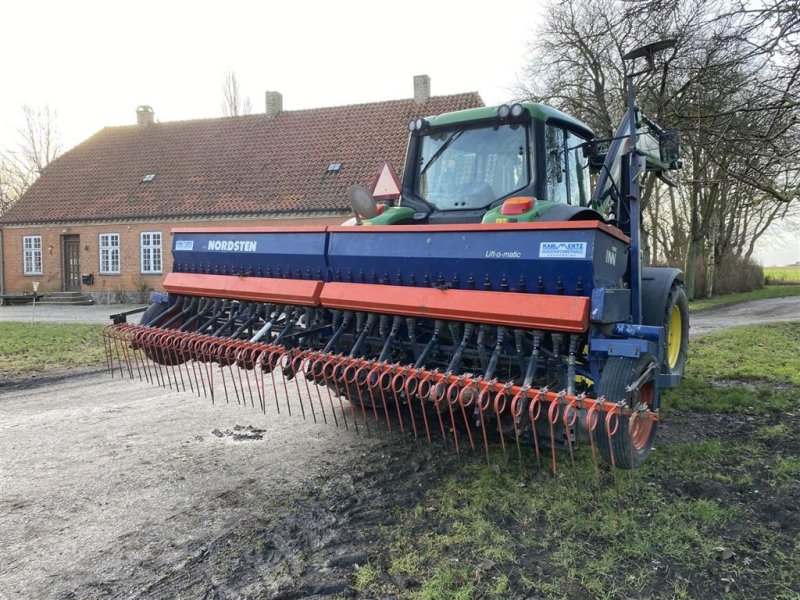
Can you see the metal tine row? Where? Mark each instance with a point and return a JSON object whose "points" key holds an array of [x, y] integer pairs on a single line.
{"points": [[416, 403]]}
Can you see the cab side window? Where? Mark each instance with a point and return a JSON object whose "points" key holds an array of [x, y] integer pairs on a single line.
{"points": [[555, 164], [578, 169]]}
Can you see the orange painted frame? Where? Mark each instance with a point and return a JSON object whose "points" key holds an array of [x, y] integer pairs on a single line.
{"points": [[529, 311], [260, 289]]}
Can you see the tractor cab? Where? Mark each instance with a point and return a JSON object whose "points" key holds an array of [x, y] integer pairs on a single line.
{"points": [[519, 163], [515, 164]]}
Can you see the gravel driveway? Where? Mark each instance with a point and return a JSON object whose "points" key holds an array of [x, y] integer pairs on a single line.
{"points": [[56, 313], [115, 489]]}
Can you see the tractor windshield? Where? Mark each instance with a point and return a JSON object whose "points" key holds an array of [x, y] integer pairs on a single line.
{"points": [[470, 168]]}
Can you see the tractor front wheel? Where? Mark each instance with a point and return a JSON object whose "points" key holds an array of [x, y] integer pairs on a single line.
{"points": [[627, 442], [676, 322]]}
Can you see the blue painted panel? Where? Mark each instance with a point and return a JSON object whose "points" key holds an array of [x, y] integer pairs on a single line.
{"points": [[490, 256], [272, 254]]}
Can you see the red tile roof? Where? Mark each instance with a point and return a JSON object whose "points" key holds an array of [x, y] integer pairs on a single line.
{"points": [[227, 166]]}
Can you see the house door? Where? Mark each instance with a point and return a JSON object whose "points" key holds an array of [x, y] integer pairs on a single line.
{"points": [[72, 266]]}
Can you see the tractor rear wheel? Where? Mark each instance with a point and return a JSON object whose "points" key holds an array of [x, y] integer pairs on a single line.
{"points": [[676, 322], [628, 442]]}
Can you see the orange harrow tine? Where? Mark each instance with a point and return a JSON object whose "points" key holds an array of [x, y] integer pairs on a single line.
{"points": [[294, 365], [632, 424], [233, 355], [395, 383], [177, 343], [374, 380], [461, 403], [358, 383], [160, 340], [227, 352], [484, 402], [311, 366], [438, 392], [192, 345], [217, 354], [253, 354], [143, 340], [172, 342], [340, 372], [349, 377], [118, 356], [258, 374], [132, 339], [612, 416], [114, 335], [421, 393], [592, 418], [517, 410], [151, 341], [328, 370], [117, 343], [128, 350], [451, 397], [205, 348], [410, 384], [303, 365], [272, 362], [182, 348], [534, 411], [553, 414], [569, 418], [499, 409], [106, 345], [284, 360]]}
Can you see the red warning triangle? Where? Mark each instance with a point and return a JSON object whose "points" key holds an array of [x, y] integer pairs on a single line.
{"points": [[386, 185]]}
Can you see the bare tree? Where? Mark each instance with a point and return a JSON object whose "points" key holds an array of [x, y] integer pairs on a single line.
{"points": [[233, 104], [730, 86], [39, 144]]}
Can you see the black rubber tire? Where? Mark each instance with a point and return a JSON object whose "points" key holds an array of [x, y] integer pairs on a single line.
{"points": [[158, 355], [677, 306], [154, 310], [629, 448]]}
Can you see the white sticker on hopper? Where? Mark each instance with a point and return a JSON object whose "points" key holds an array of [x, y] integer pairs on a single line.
{"points": [[562, 250]]}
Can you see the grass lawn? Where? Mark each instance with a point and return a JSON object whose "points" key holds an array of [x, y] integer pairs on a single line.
{"points": [[28, 347], [712, 514]]}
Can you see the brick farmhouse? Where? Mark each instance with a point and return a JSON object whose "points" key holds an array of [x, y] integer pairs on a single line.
{"points": [[98, 220]]}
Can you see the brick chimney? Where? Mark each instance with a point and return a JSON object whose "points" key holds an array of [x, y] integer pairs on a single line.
{"points": [[145, 115], [422, 89], [274, 104]]}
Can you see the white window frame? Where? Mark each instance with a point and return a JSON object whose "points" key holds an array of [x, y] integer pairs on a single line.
{"points": [[151, 254], [107, 250], [32, 255]]}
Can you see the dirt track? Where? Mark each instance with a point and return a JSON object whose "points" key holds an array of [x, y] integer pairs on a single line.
{"points": [[114, 489], [747, 313]]}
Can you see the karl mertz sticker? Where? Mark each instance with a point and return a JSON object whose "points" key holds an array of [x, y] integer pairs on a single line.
{"points": [[184, 245], [232, 245], [562, 250]]}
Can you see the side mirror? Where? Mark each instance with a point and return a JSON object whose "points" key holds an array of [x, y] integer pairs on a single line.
{"points": [[596, 151], [670, 144], [362, 203]]}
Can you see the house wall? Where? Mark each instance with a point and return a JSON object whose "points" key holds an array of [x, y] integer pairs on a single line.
{"points": [[130, 284]]}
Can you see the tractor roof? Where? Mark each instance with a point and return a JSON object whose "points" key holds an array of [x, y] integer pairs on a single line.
{"points": [[542, 112]]}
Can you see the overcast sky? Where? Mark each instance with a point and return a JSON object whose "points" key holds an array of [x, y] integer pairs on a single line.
{"points": [[94, 62]]}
